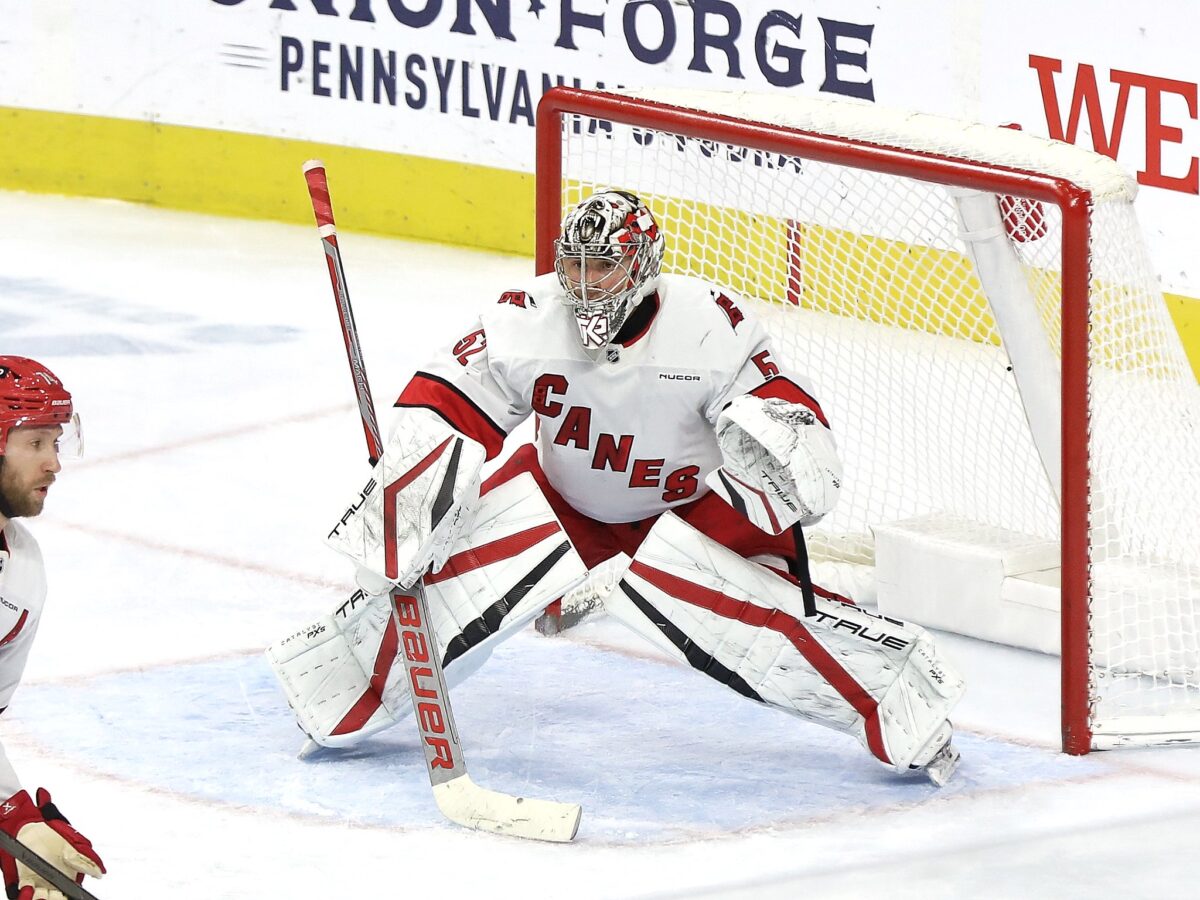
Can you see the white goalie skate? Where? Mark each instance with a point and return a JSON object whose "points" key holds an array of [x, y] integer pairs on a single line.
{"points": [[942, 765]]}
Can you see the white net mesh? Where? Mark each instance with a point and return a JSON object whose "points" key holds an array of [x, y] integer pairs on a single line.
{"points": [[870, 291]]}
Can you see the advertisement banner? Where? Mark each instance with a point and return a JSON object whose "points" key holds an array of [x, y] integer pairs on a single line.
{"points": [[458, 81]]}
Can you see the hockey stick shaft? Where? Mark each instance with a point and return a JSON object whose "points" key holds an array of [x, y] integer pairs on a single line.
{"points": [[44, 869], [318, 192], [457, 796]]}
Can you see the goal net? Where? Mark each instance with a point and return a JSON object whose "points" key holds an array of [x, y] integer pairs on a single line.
{"points": [[977, 311]]}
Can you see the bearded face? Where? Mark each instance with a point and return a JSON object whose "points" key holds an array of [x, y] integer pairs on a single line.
{"points": [[27, 469]]}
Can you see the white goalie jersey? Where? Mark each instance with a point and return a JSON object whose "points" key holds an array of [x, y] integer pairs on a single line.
{"points": [[629, 435]]}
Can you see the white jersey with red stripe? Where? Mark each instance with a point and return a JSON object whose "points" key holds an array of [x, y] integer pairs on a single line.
{"points": [[629, 435], [22, 596]]}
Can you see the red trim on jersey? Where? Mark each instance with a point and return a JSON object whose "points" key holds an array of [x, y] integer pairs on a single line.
{"points": [[783, 388], [653, 298], [459, 410], [495, 551], [16, 629], [372, 697], [782, 623]]}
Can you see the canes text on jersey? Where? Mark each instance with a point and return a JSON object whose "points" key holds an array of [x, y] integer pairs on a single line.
{"points": [[611, 452]]}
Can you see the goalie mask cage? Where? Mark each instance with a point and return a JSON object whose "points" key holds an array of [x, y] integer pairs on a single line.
{"points": [[977, 311]]}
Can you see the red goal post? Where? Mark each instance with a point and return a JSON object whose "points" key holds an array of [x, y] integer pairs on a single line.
{"points": [[828, 201]]}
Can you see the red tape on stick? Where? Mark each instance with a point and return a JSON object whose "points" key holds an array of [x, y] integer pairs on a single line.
{"points": [[318, 190]]}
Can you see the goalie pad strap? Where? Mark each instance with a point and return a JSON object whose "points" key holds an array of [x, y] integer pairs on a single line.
{"points": [[798, 567], [784, 624]]}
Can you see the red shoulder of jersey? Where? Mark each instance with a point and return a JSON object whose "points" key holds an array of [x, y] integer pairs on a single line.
{"points": [[727, 306], [457, 409], [523, 299], [783, 388]]}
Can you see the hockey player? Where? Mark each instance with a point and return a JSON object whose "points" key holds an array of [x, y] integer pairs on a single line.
{"points": [[667, 431], [37, 424]]}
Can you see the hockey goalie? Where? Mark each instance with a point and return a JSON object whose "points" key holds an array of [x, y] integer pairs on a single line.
{"points": [[672, 444]]}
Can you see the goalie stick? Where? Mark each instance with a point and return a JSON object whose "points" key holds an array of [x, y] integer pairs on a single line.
{"points": [[44, 869], [460, 799]]}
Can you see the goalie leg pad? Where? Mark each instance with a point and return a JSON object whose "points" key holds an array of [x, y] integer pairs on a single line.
{"points": [[342, 676], [741, 624]]}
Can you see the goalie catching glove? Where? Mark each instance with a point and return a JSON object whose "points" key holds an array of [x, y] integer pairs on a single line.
{"points": [[430, 472], [44, 830], [779, 463]]}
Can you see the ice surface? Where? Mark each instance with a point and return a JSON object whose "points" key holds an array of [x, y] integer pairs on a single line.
{"points": [[221, 437]]}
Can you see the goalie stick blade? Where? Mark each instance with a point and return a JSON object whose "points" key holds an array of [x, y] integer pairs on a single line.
{"points": [[466, 803], [311, 748]]}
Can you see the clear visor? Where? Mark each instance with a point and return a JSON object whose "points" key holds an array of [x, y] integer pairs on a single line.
{"points": [[68, 445], [70, 442]]}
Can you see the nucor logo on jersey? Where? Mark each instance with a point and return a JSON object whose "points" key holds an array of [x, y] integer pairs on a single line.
{"points": [[354, 507], [672, 376]]}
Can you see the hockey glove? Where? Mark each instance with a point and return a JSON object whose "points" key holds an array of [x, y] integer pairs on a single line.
{"points": [[779, 464], [44, 830]]}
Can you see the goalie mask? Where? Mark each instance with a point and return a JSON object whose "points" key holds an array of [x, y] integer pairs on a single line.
{"points": [[31, 395], [608, 257]]}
